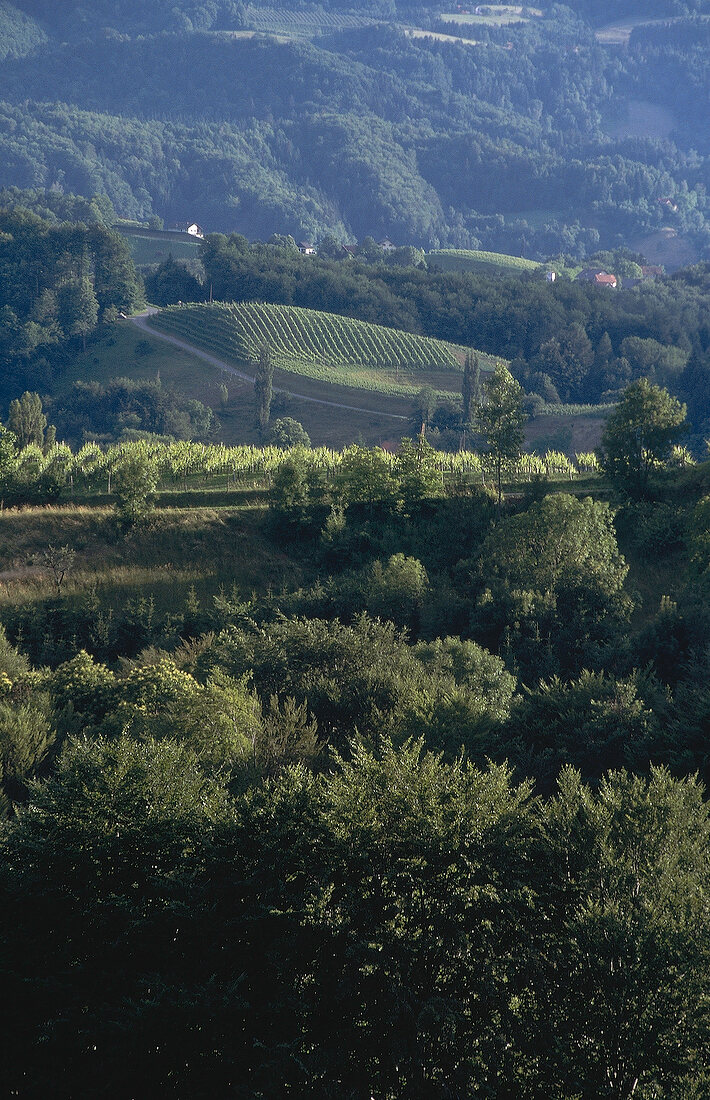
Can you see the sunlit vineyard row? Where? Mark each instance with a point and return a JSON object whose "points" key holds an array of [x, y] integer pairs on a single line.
{"points": [[324, 346], [186, 465]]}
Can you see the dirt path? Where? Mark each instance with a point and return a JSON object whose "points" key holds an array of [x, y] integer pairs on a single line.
{"points": [[141, 320]]}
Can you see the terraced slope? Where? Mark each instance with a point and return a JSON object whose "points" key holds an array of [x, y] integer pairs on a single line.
{"points": [[323, 346]]}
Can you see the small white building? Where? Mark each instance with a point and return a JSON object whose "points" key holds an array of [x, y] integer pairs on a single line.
{"points": [[192, 228]]}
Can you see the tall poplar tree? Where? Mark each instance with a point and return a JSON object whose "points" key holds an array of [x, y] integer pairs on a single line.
{"points": [[263, 386]]}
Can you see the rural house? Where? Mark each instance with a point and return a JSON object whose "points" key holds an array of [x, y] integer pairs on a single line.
{"points": [[192, 228]]}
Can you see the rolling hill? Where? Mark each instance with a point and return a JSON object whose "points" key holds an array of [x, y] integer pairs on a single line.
{"points": [[322, 346]]}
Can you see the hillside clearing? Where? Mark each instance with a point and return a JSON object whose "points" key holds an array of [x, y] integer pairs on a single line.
{"points": [[412, 32]]}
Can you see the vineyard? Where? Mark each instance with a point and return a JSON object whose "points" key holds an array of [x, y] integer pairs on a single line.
{"points": [[322, 346], [302, 23], [196, 466], [460, 259]]}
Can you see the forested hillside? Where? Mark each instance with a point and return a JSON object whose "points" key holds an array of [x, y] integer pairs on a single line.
{"points": [[325, 773], [353, 121]]}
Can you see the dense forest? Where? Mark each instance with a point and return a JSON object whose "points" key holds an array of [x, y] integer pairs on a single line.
{"points": [[353, 126]]}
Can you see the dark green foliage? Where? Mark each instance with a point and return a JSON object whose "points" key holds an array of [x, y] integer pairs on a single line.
{"points": [[58, 280], [173, 282], [625, 867], [501, 418], [593, 723], [154, 109], [135, 482], [639, 434], [287, 432], [451, 692], [398, 926], [92, 409], [26, 420], [471, 392], [549, 587]]}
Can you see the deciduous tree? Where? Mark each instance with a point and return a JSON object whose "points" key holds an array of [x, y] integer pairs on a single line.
{"points": [[639, 434], [501, 417]]}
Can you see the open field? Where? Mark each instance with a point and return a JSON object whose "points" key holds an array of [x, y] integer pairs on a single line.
{"points": [[498, 263], [324, 347], [302, 23], [666, 247], [493, 15], [569, 434], [123, 351], [205, 548], [120, 351]]}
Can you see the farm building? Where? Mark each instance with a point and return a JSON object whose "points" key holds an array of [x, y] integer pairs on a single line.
{"points": [[597, 276]]}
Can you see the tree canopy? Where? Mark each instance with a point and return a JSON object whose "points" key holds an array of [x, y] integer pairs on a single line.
{"points": [[639, 434]]}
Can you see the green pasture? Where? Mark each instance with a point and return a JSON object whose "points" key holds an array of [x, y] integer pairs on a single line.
{"points": [[125, 351]]}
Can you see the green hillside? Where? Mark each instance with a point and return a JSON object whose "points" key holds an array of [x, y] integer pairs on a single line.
{"points": [[323, 346], [491, 263]]}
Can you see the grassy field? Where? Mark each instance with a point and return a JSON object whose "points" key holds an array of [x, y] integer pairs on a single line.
{"points": [[323, 347], [490, 263], [204, 548], [619, 32], [666, 246], [640, 118], [413, 32]]}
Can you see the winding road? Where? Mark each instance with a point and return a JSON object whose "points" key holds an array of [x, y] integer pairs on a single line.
{"points": [[141, 321]]}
